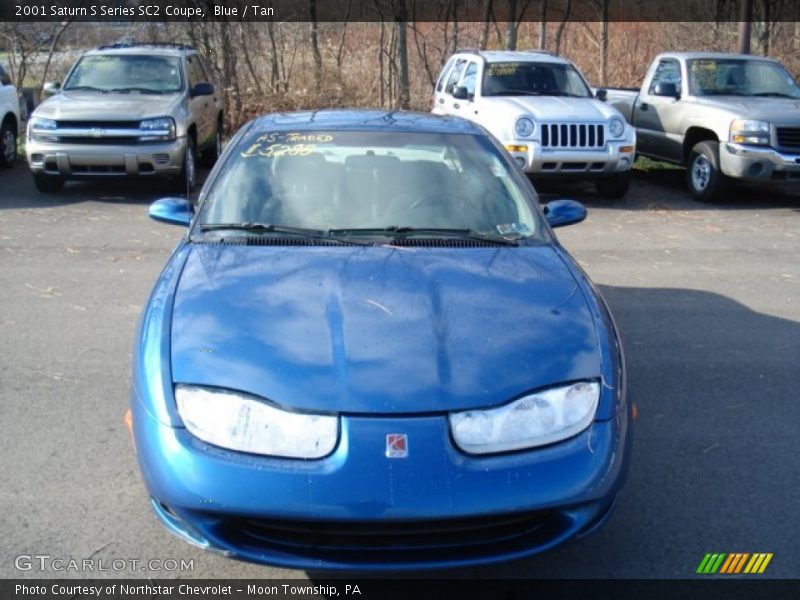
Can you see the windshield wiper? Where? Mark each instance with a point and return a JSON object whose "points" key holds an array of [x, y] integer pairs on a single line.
{"points": [[460, 233], [775, 95], [317, 234], [143, 90], [517, 92], [84, 88]]}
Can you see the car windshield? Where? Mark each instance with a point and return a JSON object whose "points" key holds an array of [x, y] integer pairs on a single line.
{"points": [[366, 182], [533, 79], [741, 77], [126, 73]]}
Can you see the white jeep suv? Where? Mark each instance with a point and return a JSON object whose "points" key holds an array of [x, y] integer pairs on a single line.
{"points": [[9, 120], [542, 110]]}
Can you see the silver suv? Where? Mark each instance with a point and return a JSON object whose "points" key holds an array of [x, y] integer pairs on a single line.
{"points": [[127, 110]]}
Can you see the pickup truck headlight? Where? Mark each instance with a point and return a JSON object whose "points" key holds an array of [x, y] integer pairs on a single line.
{"points": [[154, 130], [247, 424], [38, 129], [616, 127], [524, 127], [541, 418], [745, 131]]}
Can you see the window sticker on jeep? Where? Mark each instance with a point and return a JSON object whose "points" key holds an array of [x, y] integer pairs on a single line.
{"points": [[503, 69]]}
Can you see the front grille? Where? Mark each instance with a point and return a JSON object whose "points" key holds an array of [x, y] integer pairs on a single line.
{"points": [[382, 535], [98, 124], [573, 135], [98, 141], [789, 137]]}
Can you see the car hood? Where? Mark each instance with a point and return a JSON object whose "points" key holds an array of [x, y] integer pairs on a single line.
{"points": [[554, 108], [380, 329], [775, 110], [95, 106]]}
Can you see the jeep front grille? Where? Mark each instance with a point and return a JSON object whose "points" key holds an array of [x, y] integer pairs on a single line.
{"points": [[573, 135]]}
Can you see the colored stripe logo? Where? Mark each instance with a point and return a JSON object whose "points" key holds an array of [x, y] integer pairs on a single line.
{"points": [[732, 563]]}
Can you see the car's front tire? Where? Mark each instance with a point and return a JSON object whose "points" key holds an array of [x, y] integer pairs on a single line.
{"points": [[8, 144], [703, 176], [615, 186], [48, 184]]}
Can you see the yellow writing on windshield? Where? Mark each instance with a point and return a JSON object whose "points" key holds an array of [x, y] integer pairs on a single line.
{"points": [[503, 69], [275, 150]]}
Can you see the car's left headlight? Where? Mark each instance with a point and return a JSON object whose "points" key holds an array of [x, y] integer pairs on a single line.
{"points": [[746, 131], [538, 419], [616, 127], [524, 127], [248, 424], [162, 129]]}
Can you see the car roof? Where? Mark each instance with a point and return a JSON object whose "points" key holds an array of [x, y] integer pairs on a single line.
{"points": [[142, 49], [364, 120], [495, 56], [709, 55]]}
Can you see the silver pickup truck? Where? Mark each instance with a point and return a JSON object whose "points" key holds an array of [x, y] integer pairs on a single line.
{"points": [[722, 116]]}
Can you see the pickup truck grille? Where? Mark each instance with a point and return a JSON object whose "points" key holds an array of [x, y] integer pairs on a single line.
{"points": [[789, 137], [573, 135]]}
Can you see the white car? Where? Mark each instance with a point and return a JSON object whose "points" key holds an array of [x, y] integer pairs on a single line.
{"points": [[9, 120], [542, 110]]}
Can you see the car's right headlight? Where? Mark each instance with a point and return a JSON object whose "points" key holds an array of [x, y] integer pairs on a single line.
{"points": [[537, 419], [524, 127], [38, 129], [746, 131], [157, 130], [248, 424]]}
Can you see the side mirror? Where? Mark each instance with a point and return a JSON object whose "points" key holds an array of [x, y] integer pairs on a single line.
{"points": [[175, 211], [50, 88], [601, 95], [202, 89], [460, 93], [670, 90], [564, 212]]}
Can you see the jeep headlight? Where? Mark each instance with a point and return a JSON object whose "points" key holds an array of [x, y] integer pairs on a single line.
{"points": [[534, 420], [154, 130], [524, 127], [42, 130], [746, 131], [245, 423], [616, 127]]}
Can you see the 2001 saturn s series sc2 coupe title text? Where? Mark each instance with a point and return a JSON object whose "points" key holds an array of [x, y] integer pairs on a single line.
{"points": [[371, 352]]}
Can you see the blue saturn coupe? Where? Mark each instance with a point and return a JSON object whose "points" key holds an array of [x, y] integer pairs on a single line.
{"points": [[370, 351]]}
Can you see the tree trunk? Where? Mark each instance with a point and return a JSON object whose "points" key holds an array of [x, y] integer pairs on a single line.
{"points": [[543, 26], [562, 26], [312, 13], [403, 91], [604, 44], [745, 17], [511, 25], [486, 17], [54, 42]]}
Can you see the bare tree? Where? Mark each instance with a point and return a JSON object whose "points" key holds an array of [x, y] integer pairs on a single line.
{"points": [[314, 26], [486, 18]]}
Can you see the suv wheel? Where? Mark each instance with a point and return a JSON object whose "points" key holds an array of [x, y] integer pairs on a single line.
{"points": [[703, 177], [211, 155], [8, 144], [48, 184], [188, 177], [615, 186]]}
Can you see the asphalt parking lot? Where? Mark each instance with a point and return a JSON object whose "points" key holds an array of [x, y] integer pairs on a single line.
{"points": [[707, 299]]}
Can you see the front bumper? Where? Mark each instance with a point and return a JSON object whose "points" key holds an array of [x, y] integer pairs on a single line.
{"points": [[615, 157], [92, 160], [358, 509], [758, 163]]}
